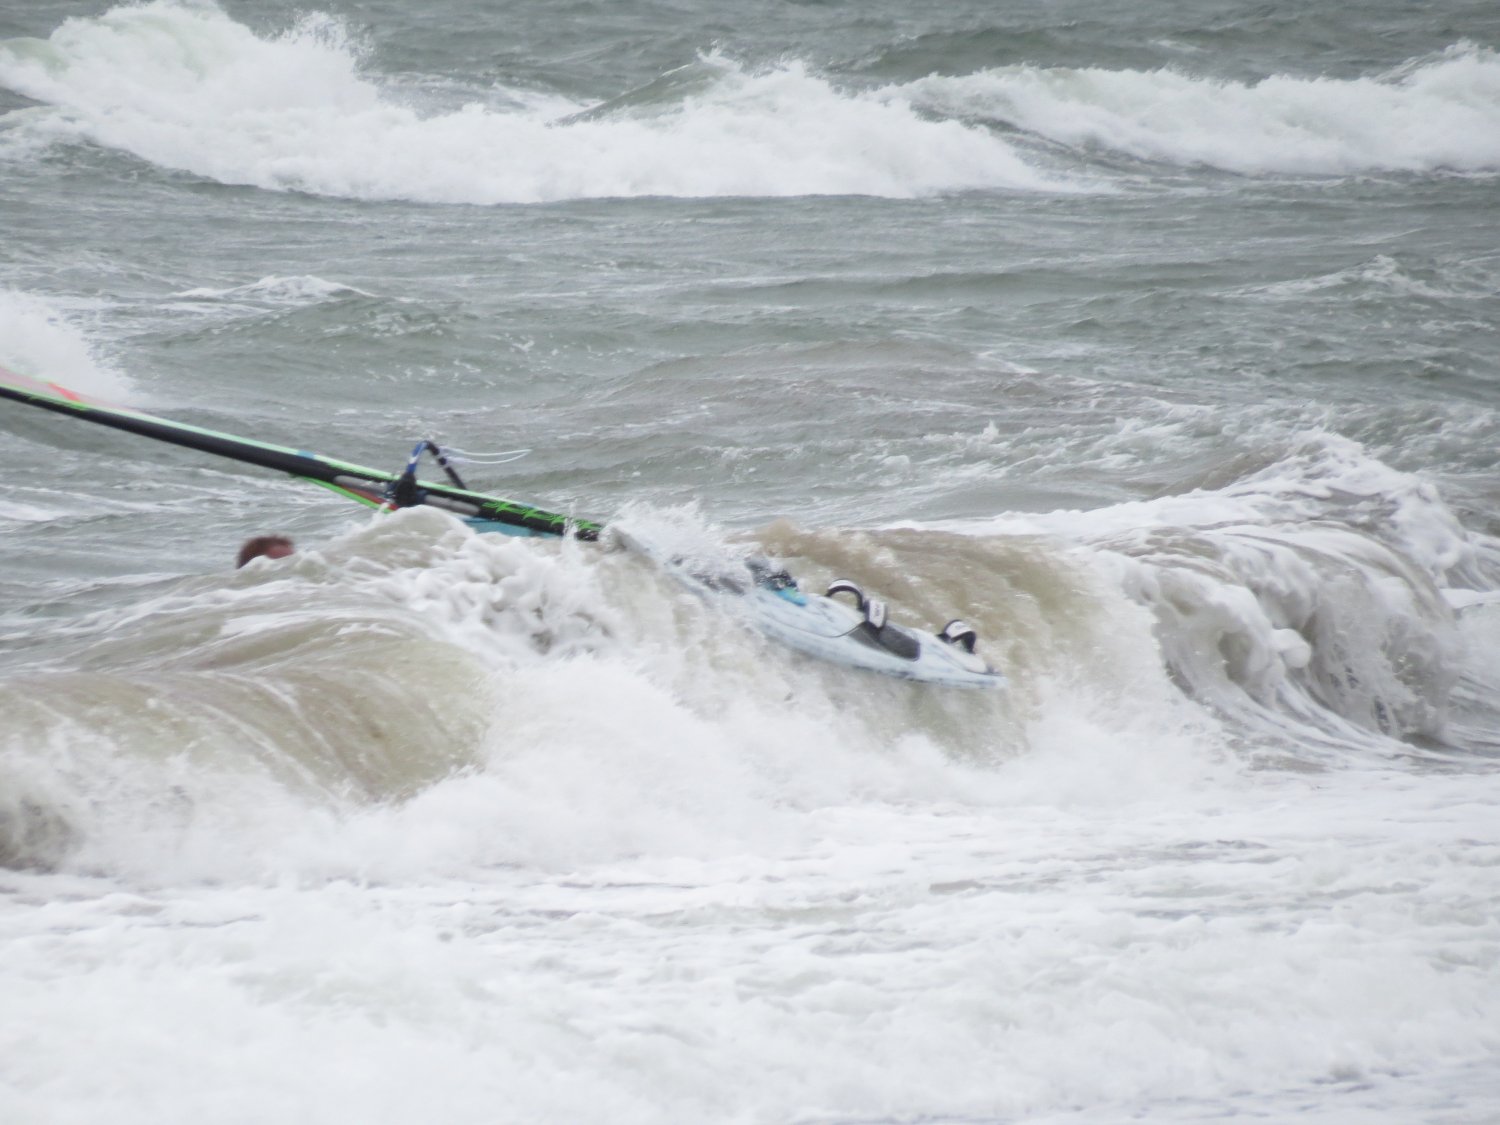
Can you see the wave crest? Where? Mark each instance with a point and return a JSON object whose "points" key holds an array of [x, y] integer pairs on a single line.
{"points": [[190, 89], [1431, 114]]}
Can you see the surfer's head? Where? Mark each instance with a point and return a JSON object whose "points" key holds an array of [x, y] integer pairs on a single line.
{"points": [[271, 546]]}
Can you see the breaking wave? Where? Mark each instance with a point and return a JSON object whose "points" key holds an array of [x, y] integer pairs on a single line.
{"points": [[1432, 114], [191, 89], [1323, 611]]}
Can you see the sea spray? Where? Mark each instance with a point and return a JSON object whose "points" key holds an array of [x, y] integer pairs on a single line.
{"points": [[44, 337]]}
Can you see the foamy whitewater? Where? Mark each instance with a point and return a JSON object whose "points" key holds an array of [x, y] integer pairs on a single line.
{"points": [[1162, 346]]}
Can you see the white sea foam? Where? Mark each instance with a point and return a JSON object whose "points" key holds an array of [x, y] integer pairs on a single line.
{"points": [[1433, 114], [1475, 280], [27, 513], [657, 923], [303, 290], [189, 88], [1306, 601], [40, 339], [528, 823]]}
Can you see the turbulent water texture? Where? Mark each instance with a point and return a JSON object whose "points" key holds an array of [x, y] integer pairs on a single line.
{"points": [[1159, 342], [191, 89]]}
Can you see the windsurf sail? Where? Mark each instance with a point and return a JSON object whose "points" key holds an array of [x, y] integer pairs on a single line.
{"points": [[372, 487]]}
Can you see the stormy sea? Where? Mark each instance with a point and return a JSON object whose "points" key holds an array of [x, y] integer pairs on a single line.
{"points": [[1160, 342]]}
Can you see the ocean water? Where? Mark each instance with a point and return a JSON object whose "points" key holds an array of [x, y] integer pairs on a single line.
{"points": [[1159, 341]]}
